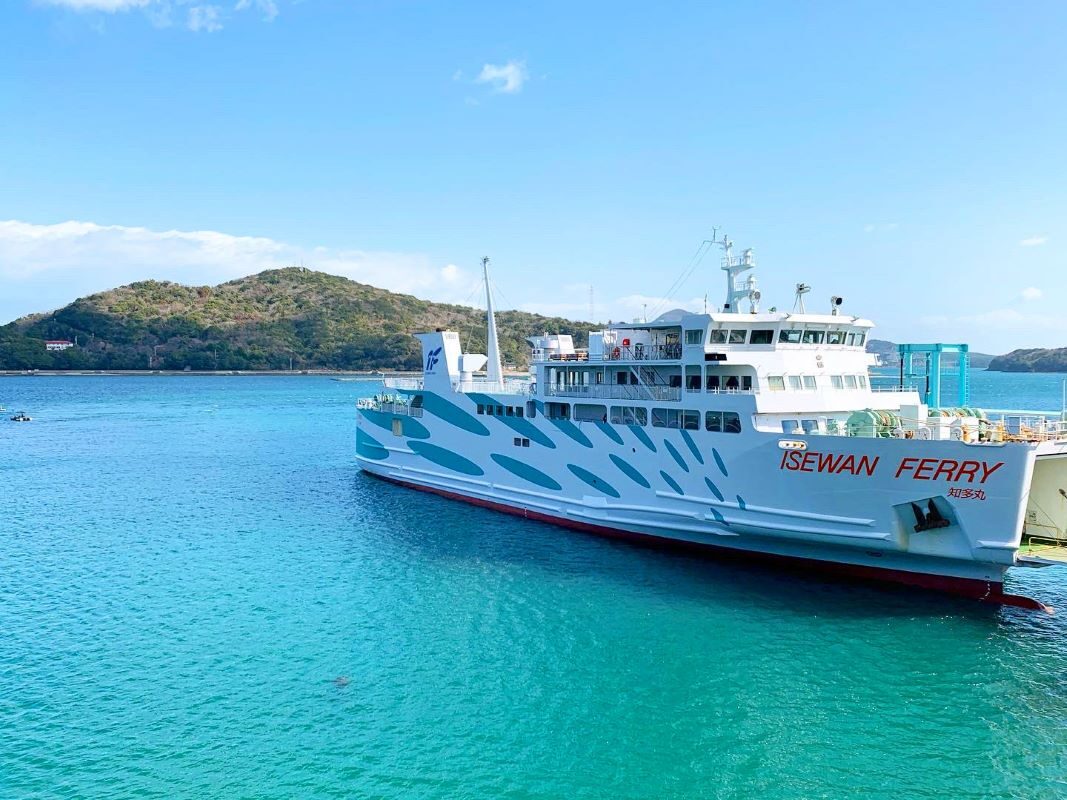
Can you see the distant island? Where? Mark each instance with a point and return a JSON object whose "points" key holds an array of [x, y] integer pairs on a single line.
{"points": [[1032, 360], [300, 319], [279, 319]]}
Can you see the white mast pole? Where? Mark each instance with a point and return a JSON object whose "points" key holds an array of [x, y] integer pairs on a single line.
{"points": [[493, 371]]}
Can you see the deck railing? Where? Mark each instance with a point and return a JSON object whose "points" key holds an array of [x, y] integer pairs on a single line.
{"points": [[614, 391]]}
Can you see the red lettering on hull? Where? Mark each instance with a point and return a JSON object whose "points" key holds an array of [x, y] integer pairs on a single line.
{"points": [[919, 469]]}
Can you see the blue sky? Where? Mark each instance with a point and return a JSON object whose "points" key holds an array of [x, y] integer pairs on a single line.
{"points": [[909, 158]]}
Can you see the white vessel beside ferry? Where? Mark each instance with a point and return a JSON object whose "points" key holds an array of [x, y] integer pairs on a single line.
{"points": [[753, 432]]}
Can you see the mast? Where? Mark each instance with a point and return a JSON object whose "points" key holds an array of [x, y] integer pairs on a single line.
{"points": [[492, 368]]}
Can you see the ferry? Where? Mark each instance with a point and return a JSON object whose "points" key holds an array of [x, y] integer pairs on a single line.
{"points": [[747, 432]]}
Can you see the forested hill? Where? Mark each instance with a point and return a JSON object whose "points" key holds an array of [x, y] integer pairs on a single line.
{"points": [[1032, 360], [259, 322]]}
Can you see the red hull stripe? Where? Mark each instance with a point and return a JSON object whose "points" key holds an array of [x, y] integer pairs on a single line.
{"points": [[986, 591]]}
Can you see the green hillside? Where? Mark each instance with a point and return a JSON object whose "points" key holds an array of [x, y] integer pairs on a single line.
{"points": [[1032, 360], [258, 322]]}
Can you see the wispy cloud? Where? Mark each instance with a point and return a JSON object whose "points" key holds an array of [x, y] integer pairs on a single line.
{"points": [[505, 78], [200, 17], [110, 6], [204, 18], [1033, 241], [47, 266]]}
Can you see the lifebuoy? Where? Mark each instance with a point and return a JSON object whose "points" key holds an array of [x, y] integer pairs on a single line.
{"points": [[615, 353]]}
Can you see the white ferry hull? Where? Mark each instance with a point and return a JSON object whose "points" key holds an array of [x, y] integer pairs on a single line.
{"points": [[842, 505]]}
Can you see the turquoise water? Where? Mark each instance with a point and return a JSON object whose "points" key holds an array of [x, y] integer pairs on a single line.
{"points": [[188, 565]]}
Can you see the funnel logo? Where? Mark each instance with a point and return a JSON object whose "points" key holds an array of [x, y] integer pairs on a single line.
{"points": [[432, 358]]}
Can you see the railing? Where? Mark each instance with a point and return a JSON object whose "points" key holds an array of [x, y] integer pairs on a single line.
{"points": [[649, 352], [617, 391], [389, 406], [577, 355], [402, 383], [506, 386]]}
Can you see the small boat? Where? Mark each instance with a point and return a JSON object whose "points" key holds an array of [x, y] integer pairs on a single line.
{"points": [[22, 416]]}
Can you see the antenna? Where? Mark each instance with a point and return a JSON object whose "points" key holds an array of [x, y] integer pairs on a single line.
{"points": [[835, 303], [492, 370], [798, 305], [592, 307]]}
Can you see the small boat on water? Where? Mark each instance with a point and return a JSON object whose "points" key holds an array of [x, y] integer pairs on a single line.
{"points": [[22, 416]]}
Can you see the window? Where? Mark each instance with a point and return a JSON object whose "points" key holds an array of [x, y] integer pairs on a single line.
{"points": [[810, 425], [694, 337], [737, 337], [692, 383], [850, 339], [517, 441], [398, 426], [790, 426], [863, 381], [789, 337], [525, 442], [531, 409], [490, 410], [776, 383], [510, 411], [722, 422], [761, 337], [860, 337], [691, 420], [712, 383], [746, 383], [665, 418], [674, 381], [518, 411], [590, 413], [814, 337], [558, 410], [718, 336], [629, 415], [621, 378], [809, 383], [837, 382], [481, 408], [835, 337], [850, 381], [794, 383]]}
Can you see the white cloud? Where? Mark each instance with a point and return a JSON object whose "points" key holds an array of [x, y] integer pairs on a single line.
{"points": [[1030, 293], [47, 266], [507, 78], [1033, 241], [204, 18]]}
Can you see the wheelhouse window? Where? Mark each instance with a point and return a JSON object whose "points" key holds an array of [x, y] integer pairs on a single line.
{"points": [[790, 336], [863, 381], [794, 383], [761, 337], [776, 383], [737, 337], [694, 337], [860, 339], [850, 381], [809, 383], [719, 336], [814, 337], [835, 337], [837, 382]]}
